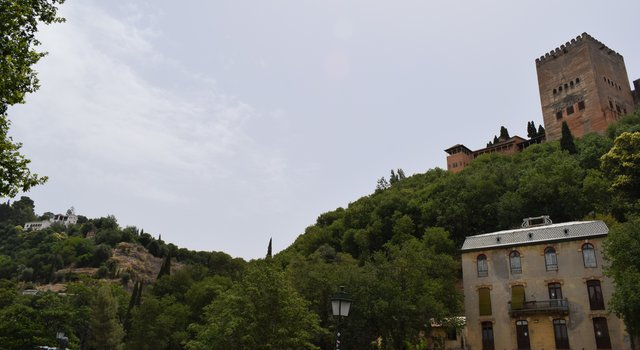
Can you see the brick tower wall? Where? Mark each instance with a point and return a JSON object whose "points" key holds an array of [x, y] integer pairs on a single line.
{"points": [[585, 84]]}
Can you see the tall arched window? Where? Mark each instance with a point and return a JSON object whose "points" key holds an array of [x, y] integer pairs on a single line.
{"points": [[589, 255], [483, 267], [514, 262], [550, 259]]}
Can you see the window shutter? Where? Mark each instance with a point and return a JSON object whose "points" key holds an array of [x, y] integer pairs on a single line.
{"points": [[485, 301], [517, 297]]}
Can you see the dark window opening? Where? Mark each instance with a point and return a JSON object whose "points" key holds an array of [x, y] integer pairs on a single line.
{"points": [[566, 86], [570, 110], [611, 104], [601, 331], [618, 109], [560, 88], [559, 115], [581, 106], [555, 91], [577, 80], [555, 293], [571, 83], [522, 334], [596, 300], [487, 336], [561, 334], [452, 333]]}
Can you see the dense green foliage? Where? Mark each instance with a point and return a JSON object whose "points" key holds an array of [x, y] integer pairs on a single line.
{"points": [[395, 251], [19, 22]]}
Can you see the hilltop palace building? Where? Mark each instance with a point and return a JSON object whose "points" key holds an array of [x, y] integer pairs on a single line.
{"points": [[583, 83], [69, 219], [539, 287]]}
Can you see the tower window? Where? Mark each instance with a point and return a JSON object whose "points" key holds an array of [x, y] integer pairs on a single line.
{"points": [[559, 115], [577, 80], [571, 83], [581, 105], [570, 110], [566, 86], [560, 88], [555, 91], [605, 79]]}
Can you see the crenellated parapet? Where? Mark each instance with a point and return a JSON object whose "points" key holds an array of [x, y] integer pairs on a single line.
{"points": [[569, 45]]}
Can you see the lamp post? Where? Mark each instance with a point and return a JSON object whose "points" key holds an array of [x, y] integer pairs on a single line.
{"points": [[340, 306]]}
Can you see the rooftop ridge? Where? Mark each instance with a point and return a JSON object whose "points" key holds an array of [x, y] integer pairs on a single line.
{"points": [[573, 230], [559, 51]]}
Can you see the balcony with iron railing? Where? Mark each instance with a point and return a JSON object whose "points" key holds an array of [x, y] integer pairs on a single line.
{"points": [[550, 306]]}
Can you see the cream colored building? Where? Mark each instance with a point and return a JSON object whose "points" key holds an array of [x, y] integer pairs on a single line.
{"points": [[540, 287]]}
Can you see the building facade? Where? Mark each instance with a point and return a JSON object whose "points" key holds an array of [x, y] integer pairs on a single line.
{"points": [[585, 84], [539, 287], [459, 156], [69, 219]]}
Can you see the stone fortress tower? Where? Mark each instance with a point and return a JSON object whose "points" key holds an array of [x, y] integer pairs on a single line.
{"points": [[585, 84]]}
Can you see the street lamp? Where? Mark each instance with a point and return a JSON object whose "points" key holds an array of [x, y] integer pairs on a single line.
{"points": [[340, 305]]}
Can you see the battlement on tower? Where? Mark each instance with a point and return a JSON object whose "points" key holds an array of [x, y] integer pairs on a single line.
{"points": [[563, 49]]}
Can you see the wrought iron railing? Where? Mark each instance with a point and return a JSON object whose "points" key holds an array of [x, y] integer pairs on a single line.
{"points": [[557, 306]]}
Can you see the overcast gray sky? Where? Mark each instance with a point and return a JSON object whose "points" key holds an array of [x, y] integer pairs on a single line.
{"points": [[220, 124]]}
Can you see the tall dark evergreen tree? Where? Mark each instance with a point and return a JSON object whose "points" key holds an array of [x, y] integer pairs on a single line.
{"points": [[504, 133], [132, 304], [495, 140], [269, 248], [165, 269], [531, 130], [541, 131], [566, 140]]}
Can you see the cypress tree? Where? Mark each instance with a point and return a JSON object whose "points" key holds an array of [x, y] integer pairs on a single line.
{"points": [[269, 249], [566, 140], [165, 269], [504, 133], [541, 130]]}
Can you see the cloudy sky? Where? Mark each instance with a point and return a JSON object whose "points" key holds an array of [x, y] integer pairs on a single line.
{"points": [[220, 124]]}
